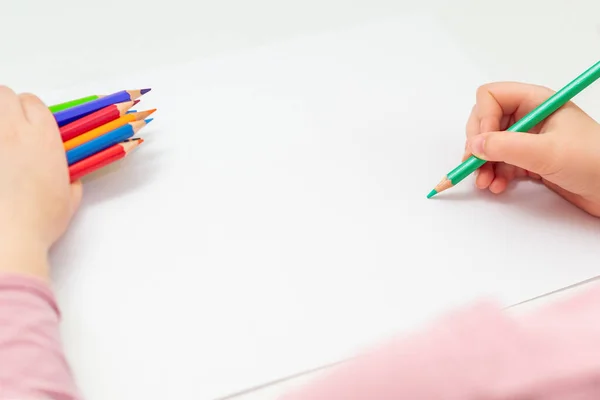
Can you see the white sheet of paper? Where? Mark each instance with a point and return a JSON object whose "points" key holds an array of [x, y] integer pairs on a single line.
{"points": [[275, 219]]}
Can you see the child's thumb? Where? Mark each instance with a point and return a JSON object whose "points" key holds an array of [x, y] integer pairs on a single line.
{"points": [[532, 152]]}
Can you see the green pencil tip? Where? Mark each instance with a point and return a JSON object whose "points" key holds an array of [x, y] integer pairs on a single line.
{"points": [[432, 193]]}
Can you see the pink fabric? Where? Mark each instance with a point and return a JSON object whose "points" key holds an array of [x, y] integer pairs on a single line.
{"points": [[32, 363], [480, 353]]}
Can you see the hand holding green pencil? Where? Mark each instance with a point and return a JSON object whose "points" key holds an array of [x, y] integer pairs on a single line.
{"points": [[563, 148]]}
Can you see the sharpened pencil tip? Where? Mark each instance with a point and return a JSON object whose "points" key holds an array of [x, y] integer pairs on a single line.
{"points": [[136, 101], [147, 121], [144, 91], [432, 193]]}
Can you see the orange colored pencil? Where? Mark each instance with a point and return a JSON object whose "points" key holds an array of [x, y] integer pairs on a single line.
{"points": [[103, 158], [104, 129], [94, 120]]}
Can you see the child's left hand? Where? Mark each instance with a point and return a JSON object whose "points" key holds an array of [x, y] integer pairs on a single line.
{"points": [[37, 200]]}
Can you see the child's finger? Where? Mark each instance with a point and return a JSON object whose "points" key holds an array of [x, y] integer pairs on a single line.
{"points": [[466, 155], [38, 114], [495, 100], [505, 122], [489, 124], [498, 185], [472, 127], [490, 111], [485, 176], [34, 109], [521, 173], [10, 108], [538, 153], [506, 173]]}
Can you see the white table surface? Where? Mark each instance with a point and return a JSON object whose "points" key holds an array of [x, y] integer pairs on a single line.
{"points": [[500, 36]]}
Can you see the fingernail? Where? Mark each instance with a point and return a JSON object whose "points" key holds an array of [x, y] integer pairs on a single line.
{"points": [[477, 144]]}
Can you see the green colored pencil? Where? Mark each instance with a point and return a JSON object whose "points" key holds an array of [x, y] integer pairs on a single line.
{"points": [[72, 103], [530, 120]]}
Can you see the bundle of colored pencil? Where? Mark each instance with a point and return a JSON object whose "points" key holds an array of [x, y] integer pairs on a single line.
{"points": [[98, 130]]}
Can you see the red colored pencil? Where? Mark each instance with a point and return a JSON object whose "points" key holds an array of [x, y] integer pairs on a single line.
{"points": [[103, 158], [94, 120]]}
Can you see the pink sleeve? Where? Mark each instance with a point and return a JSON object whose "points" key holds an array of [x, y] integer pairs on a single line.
{"points": [[480, 352], [32, 362]]}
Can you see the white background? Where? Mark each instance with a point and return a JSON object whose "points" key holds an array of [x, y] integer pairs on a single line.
{"points": [[48, 45], [53, 44]]}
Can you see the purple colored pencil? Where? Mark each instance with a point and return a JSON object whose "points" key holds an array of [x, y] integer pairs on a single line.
{"points": [[71, 114]]}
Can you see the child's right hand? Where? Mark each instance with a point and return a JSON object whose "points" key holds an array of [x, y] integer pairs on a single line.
{"points": [[563, 151]]}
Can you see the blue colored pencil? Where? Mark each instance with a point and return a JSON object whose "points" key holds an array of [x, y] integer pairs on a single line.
{"points": [[105, 141], [74, 113]]}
